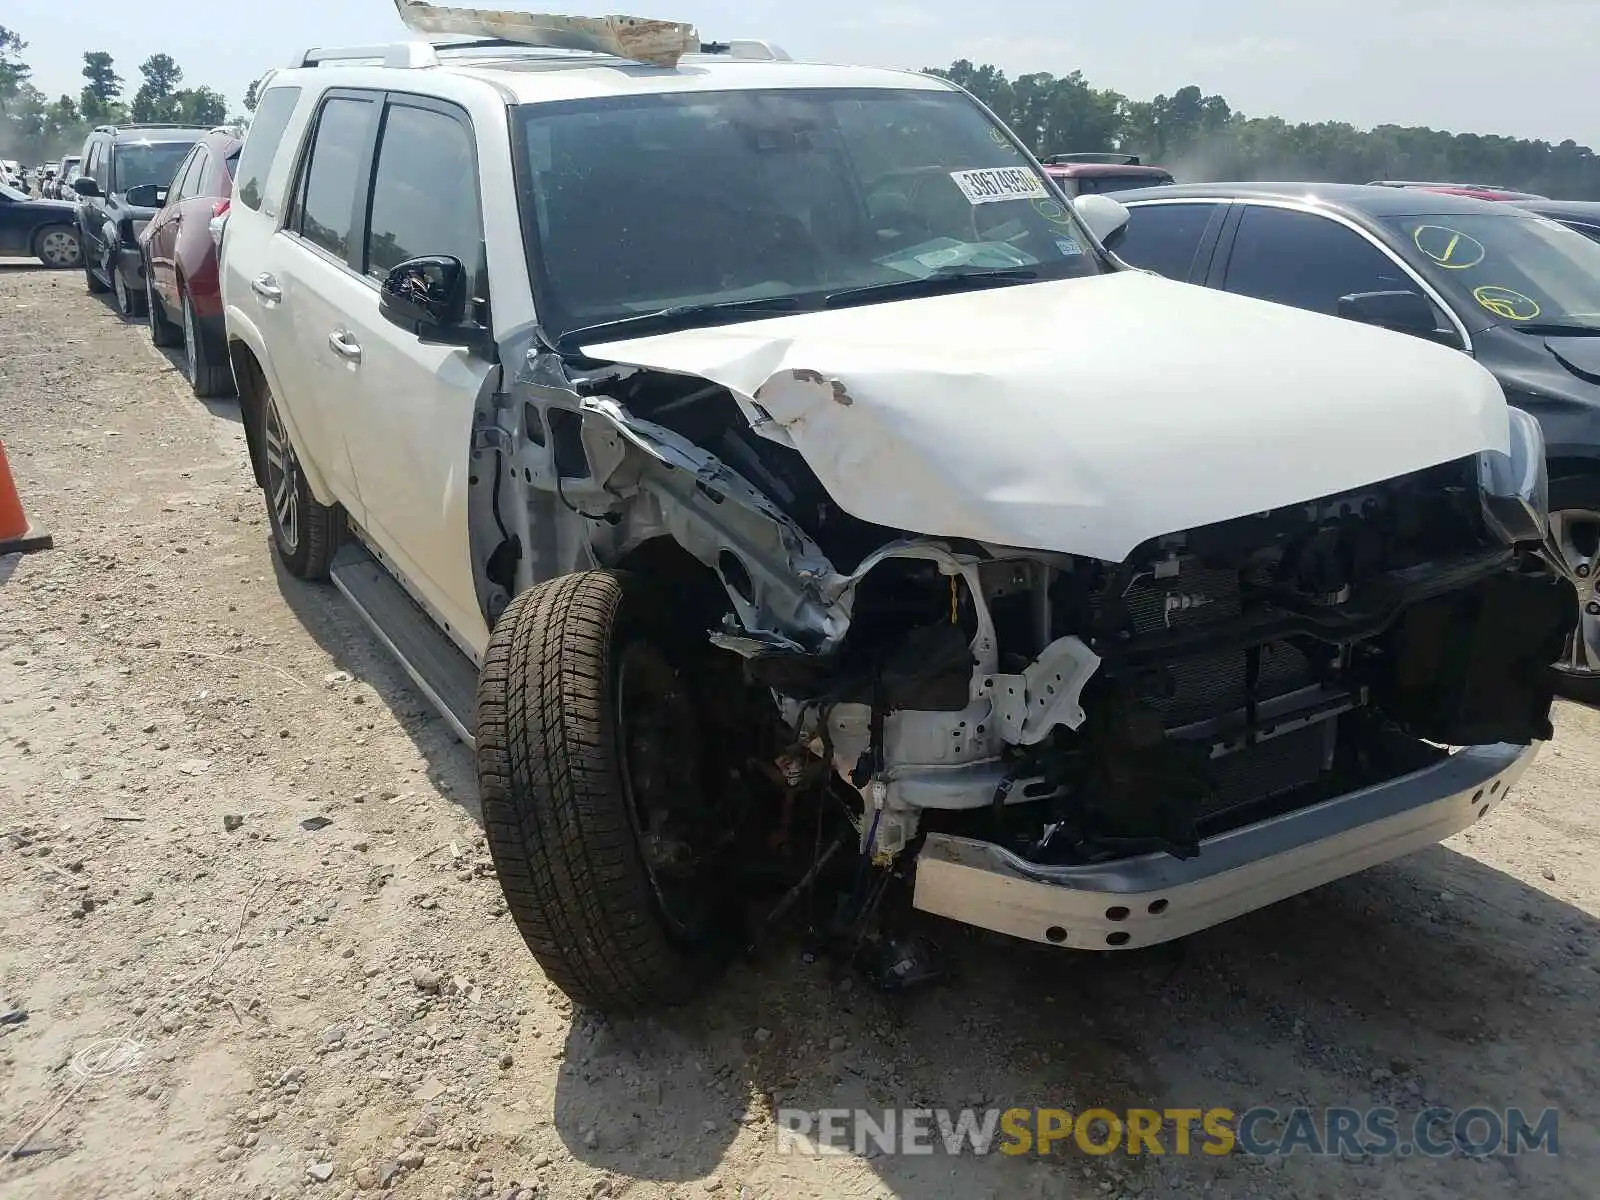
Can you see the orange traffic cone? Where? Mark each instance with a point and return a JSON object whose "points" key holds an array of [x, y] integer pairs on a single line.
{"points": [[16, 535]]}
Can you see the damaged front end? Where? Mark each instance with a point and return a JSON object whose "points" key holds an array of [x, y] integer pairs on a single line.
{"points": [[1076, 751]]}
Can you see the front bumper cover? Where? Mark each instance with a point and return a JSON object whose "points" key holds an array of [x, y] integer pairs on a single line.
{"points": [[1514, 487], [1156, 898]]}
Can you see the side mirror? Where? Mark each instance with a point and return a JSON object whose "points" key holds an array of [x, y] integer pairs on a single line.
{"points": [[1106, 218], [1401, 311], [427, 297], [85, 185], [146, 195]]}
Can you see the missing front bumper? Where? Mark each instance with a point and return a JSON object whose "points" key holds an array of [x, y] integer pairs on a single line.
{"points": [[1156, 898]]}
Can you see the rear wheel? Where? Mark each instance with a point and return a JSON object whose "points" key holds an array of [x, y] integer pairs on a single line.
{"points": [[590, 771], [207, 376], [1575, 534], [305, 533], [58, 247]]}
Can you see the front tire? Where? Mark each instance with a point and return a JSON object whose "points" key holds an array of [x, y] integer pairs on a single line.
{"points": [[96, 285], [163, 333], [207, 377], [604, 884], [1575, 530], [129, 303], [304, 533]]}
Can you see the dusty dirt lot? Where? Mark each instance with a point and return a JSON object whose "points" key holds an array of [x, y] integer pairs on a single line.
{"points": [[246, 907]]}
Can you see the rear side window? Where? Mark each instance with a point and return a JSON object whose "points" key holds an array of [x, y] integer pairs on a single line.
{"points": [[1165, 237], [324, 211], [424, 194], [261, 144]]}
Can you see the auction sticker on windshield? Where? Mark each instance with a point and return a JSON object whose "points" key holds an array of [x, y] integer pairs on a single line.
{"points": [[989, 184]]}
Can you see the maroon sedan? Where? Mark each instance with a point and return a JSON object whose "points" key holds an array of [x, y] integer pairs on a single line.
{"points": [[180, 253]]}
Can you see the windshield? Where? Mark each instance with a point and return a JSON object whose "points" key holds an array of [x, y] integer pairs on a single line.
{"points": [[11, 193], [1508, 268], [645, 203], [138, 163]]}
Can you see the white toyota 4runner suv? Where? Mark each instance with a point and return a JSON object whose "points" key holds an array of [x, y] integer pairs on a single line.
{"points": [[801, 510]]}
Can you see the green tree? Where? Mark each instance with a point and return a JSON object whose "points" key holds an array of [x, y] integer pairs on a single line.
{"points": [[199, 106], [252, 95], [155, 100], [64, 113], [100, 95], [14, 73]]}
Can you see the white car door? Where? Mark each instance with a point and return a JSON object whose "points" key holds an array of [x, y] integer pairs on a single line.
{"points": [[313, 278], [410, 405]]}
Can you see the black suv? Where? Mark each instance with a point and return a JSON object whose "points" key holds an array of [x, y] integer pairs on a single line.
{"points": [[126, 171]]}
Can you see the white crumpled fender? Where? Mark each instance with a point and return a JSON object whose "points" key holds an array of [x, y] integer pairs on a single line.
{"points": [[1088, 415]]}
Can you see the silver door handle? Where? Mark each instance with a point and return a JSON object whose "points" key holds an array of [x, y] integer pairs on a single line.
{"points": [[267, 288], [343, 343]]}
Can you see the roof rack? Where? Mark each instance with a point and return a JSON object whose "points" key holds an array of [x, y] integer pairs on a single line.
{"points": [[143, 125], [1092, 156], [418, 53]]}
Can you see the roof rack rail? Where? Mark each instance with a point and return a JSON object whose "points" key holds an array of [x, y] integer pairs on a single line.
{"points": [[1092, 156], [753, 49], [144, 125], [418, 53]]}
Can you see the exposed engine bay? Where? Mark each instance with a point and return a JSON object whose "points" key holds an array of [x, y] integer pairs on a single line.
{"points": [[1069, 709]]}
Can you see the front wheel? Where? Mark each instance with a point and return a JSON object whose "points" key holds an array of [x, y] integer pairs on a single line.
{"points": [[305, 533], [129, 303], [207, 376], [163, 332], [589, 768], [96, 285], [1575, 535]]}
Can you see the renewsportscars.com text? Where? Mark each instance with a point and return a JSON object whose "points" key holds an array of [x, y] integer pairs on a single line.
{"points": [[1264, 1131]]}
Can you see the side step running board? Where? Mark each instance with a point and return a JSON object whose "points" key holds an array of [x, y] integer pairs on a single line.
{"points": [[445, 676]]}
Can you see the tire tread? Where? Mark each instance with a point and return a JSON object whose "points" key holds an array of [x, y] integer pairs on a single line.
{"points": [[554, 808]]}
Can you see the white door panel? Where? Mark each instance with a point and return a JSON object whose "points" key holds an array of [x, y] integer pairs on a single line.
{"points": [[322, 384], [411, 444]]}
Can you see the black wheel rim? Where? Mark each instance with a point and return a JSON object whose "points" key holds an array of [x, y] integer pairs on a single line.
{"points": [[1575, 538], [283, 480], [658, 743]]}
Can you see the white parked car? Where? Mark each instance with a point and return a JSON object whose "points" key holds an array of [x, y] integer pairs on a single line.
{"points": [[775, 478]]}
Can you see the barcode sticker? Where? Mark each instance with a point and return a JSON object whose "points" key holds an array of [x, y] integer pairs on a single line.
{"points": [[990, 184]]}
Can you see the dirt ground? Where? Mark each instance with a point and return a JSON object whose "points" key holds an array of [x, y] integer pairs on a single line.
{"points": [[250, 917]]}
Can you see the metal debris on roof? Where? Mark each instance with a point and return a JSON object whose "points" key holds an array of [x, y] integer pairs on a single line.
{"points": [[660, 43]]}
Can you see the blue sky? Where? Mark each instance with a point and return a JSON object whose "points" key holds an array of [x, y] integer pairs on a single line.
{"points": [[1481, 66]]}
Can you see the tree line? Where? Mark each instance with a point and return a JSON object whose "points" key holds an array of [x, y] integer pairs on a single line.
{"points": [[1202, 138], [34, 128]]}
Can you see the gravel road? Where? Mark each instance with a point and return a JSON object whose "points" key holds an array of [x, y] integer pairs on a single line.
{"points": [[247, 910]]}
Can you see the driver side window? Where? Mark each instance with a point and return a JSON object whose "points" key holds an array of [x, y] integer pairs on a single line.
{"points": [[1306, 260], [1309, 261]]}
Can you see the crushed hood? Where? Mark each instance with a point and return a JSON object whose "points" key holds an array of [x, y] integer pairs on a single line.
{"points": [[1087, 415]]}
